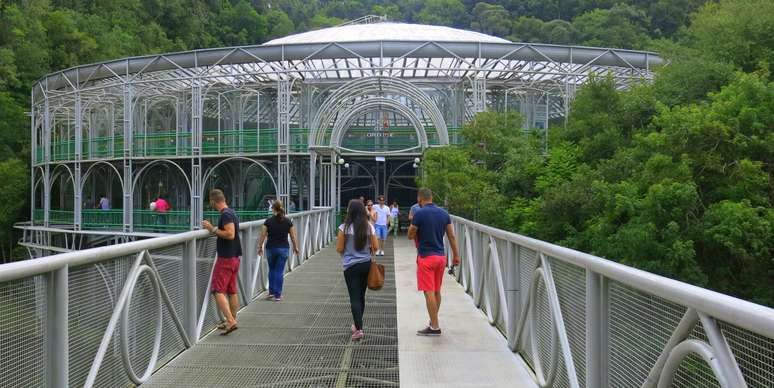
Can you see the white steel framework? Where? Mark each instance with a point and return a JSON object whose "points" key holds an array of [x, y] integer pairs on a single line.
{"points": [[294, 106]]}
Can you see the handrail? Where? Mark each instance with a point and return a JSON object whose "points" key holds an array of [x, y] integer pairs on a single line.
{"points": [[83, 315], [575, 316], [32, 267], [748, 315]]}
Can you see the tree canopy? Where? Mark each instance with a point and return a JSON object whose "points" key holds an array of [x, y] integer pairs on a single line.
{"points": [[674, 177]]}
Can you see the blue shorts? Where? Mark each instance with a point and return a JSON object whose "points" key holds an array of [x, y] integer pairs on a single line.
{"points": [[381, 231]]}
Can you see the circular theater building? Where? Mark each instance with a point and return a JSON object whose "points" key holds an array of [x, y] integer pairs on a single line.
{"points": [[314, 119]]}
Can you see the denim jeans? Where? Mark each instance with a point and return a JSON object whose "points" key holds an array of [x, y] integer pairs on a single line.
{"points": [[277, 257]]}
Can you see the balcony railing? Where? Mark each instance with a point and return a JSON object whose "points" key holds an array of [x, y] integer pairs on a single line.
{"points": [[144, 220], [226, 142], [582, 321], [112, 315]]}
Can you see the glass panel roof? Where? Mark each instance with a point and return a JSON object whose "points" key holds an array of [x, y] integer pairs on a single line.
{"points": [[387, 31]]}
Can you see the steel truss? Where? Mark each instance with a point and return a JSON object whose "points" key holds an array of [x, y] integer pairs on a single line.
{"points": [[282, 105]]}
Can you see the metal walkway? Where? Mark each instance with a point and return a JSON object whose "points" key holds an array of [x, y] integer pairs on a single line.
{"points": [[302, 341], [570, 319], [470, 353]]}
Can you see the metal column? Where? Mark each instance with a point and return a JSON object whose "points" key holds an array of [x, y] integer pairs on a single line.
{"points": [[332, 180], [127, 157], [479, 93], [47, 162], [197, 205], [283, 140], [57, 352], [190, 297], [77, 186], [312, 177], [597, 332], [33, 156]]}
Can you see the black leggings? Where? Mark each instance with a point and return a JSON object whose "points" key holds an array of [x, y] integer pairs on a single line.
{"points": [[356, 277]]}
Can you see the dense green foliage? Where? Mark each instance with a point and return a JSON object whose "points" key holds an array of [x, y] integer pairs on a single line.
{"points": [[674, 177]]}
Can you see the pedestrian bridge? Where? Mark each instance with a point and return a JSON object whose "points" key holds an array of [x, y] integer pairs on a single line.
{"points": [[516, 313]]}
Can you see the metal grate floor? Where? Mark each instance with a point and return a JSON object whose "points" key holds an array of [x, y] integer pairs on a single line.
{"points": [[301, 342]]}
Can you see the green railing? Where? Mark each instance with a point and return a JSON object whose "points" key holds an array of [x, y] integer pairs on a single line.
{"points": [[246, 141], [64, 150], [177, 220], [162, 144], [112, 219], [60, 217], [37, 216], [39, 154], [100, 147], [170, 221], [244, 215]]}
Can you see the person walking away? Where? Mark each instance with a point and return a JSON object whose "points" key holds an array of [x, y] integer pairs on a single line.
{"points": [[162, 207], [104, 203], [356, 242], [382, 224], [275, 232], [228, 249], [394, 214], [428, 227]]}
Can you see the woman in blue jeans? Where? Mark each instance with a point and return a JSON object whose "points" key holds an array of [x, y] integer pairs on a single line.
{"points": [[275, 232]]}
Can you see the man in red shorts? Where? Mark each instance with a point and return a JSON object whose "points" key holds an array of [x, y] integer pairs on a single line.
{"points": [[428, 225], [229, 248]]}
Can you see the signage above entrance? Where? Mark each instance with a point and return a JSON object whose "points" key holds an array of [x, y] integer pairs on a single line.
{"points": [[380, 140], [379, 134]]}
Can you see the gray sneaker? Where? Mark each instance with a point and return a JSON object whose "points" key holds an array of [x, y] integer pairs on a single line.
{"points": [[429, 332]]}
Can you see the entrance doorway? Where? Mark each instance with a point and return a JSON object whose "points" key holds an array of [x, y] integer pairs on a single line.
{"points": [[369, 176]]}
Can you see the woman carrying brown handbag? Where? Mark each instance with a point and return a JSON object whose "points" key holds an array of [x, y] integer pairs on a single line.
{"points": [[356, 242]]}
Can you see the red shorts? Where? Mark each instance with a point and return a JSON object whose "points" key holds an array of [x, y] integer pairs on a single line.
{"points": [[224, 276], [430, 271]]}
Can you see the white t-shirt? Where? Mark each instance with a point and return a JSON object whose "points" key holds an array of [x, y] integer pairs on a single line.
{"points": [[382, 214]]}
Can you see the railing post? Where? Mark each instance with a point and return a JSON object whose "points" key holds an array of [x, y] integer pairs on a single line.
{"points": [[512, 283], [57, 329], [249, 254], [190, 297], [597, 330]]}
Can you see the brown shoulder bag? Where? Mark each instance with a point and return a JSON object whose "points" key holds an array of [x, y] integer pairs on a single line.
{"points": [[376, 276]]}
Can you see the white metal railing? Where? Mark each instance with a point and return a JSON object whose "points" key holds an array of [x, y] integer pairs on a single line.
{"points": [[89, 318], [582, 321]]}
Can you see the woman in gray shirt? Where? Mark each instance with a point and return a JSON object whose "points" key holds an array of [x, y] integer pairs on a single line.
{"points": [[356, 242]]}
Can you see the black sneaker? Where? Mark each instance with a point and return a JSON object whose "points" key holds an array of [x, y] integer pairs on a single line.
{"points": [[429, 332]]}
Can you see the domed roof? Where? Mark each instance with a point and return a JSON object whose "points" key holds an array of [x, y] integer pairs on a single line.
{"points": [[387, 31]]}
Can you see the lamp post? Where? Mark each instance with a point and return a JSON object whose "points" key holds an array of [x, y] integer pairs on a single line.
{"points": [[339, 163], [417, 164]]}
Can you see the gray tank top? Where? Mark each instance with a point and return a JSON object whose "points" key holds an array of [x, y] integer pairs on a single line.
{"points": [[352, 256]]}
